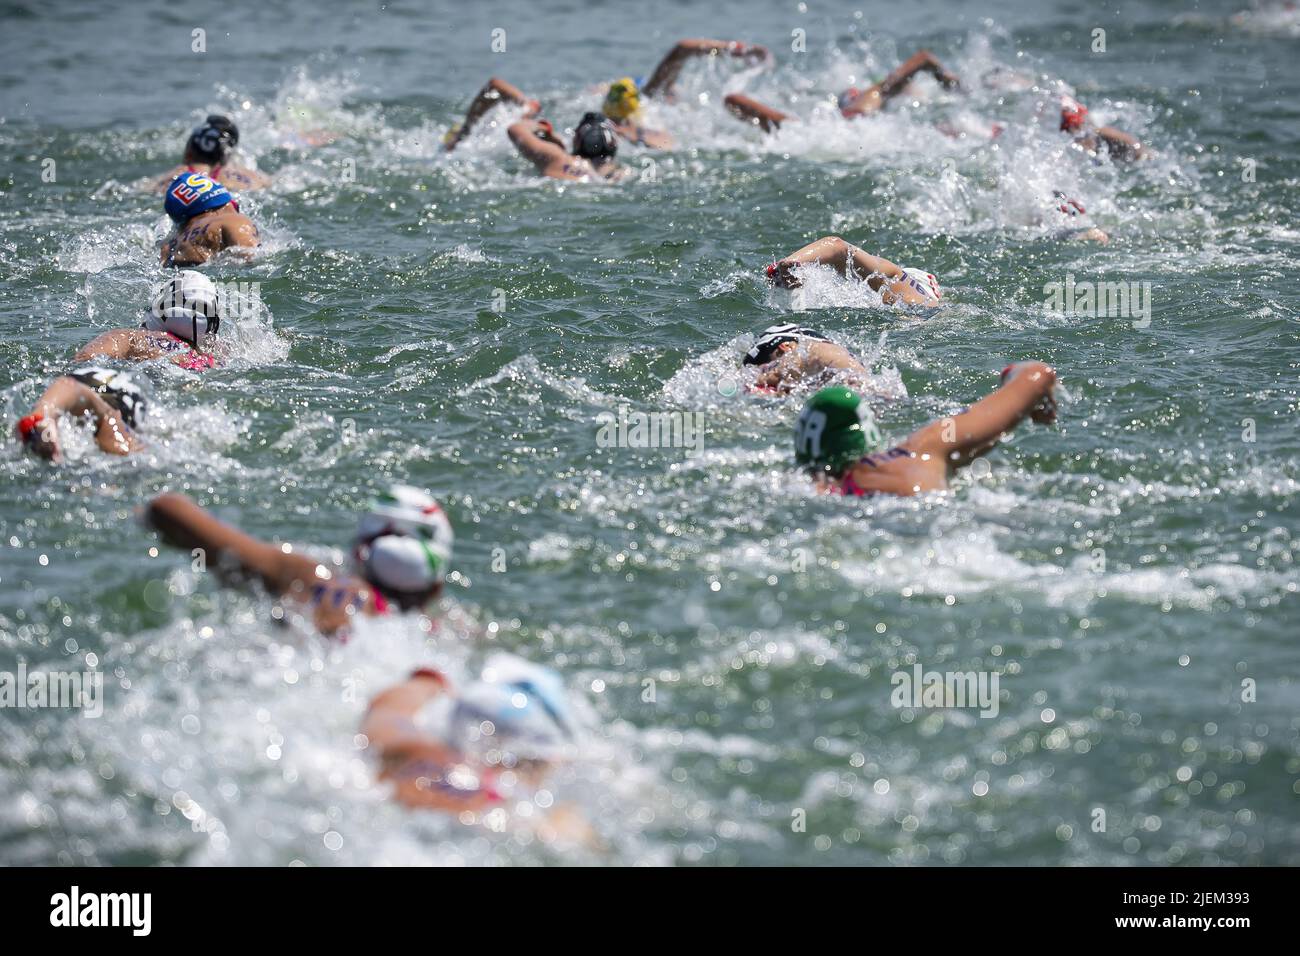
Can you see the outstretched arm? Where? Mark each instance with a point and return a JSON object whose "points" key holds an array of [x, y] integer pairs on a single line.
{"points": [[670, 67], [537, 141], [185, 525], [494, 92], [839, 255], [1026, 391], [118, 344], [750, 110], [875, 96]]}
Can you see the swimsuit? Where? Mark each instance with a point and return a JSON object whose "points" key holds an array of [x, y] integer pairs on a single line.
{"points": [[853, 489], [117, 389], [196, 361]]}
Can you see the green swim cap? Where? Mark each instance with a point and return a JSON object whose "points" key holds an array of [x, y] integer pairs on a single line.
{"points": [[834, 430]]}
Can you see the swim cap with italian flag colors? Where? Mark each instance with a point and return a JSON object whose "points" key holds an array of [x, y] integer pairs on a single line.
{"points": [[192, 193], [923, 282], [186, 305], [835, 430], [403, 545]]}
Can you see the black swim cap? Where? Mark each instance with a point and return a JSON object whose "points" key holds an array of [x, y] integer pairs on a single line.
{"points": [[773, 337], [594, 138], [213, 141]]}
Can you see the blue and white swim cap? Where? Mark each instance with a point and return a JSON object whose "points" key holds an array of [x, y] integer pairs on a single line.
{"points": [[515, 706], [192, 193]]}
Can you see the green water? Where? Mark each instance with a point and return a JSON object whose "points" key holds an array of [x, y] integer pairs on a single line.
{"points": [[730, 636]]}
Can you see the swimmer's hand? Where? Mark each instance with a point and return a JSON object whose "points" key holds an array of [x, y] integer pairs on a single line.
{"points": [[532, 108], [1044, 412], [751, 51], [544, 130], [782, 274]]}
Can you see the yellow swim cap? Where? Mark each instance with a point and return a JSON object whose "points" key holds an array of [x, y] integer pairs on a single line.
{"points": [[622, 100]]}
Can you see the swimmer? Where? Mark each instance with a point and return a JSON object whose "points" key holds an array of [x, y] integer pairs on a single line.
{"points": [[837, 440], [107, 400], [594, 148], [208, 151], [623, 97], [897, 285], [207, 220], [1121, 146], [488, 745], [853, 102], [400, 553], [494, 92], [181, 326], [1074, 209], [790, 355]]}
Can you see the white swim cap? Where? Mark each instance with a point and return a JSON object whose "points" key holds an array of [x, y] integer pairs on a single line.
{"points": [[186, 305], [923, 282], [525, 704], [404, 544]]}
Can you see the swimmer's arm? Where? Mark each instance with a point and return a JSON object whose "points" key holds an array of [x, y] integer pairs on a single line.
{"points": [[185, 525], [115, 344], [389, 723], [533, 138], [644, 136], [68, 396], [670, 67], [1026, 392], [493, 92], [838, 254], [243, 235], [1121, 144], [750, 110], [922, 61], [253, 179]]}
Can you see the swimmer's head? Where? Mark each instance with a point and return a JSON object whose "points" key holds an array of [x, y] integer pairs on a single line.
{"points": [[1073, 114], [213, 141], [403, 546], [848, 98], [186, 305], [1067, 205], [622, 100], [769, 345], [516, 714], [594, 139], [924, 282], [835, 429], [192, 193]]}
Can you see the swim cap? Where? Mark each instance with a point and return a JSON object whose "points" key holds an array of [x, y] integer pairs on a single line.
{"points": [[403, 545], [525, 703], [847, 98], [923, 282], [118, 389], [1072, 114], [594, 139], [212, 142], [773, 337], [186, 306], [835, 429], [622, 100], [1071, 207], [193, 193]]}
